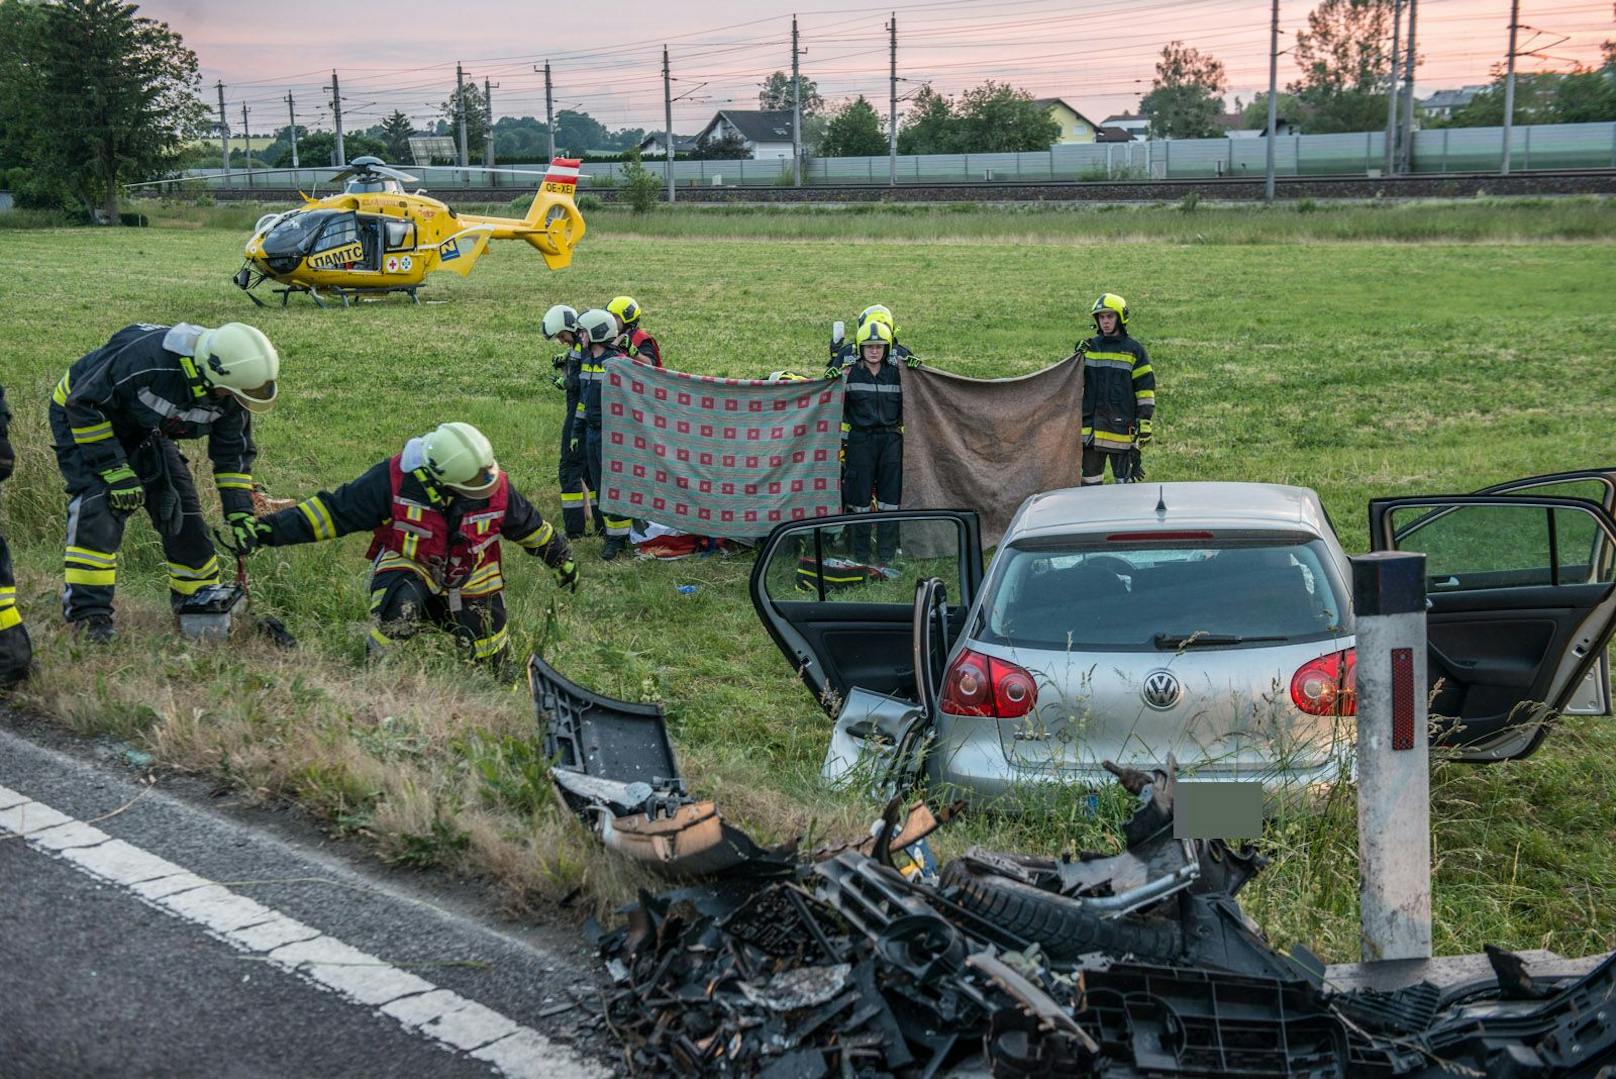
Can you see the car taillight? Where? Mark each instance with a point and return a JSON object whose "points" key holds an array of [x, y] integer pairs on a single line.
{"points": [[978, 685], [1327, 686]]}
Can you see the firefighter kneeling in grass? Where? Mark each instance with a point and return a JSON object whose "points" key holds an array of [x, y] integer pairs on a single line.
{"points": [[439, 511]]}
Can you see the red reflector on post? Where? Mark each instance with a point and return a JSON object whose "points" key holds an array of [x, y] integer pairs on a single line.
{"points": [[1402, 698]]}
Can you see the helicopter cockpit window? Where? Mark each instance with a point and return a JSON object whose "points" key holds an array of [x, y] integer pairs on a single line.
{"points": [[341, 228], [295, 232], [400, 234]]}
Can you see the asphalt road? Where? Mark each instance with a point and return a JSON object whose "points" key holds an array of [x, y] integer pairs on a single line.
{"points": [[218, 943]]}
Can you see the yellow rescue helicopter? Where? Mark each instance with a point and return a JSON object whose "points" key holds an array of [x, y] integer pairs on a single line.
{"points": [[375, 238]]}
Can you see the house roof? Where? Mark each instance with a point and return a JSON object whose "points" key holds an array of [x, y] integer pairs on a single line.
{"points": [[1051, 102], [680, 142], [1452, 99], [1112, 134], [755, 125], [1122, 116]]}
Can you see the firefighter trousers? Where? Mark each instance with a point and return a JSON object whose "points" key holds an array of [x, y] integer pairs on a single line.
{"points": [[874, 474], [570, 472], [95, 531], [401, 602], [612, 526], [16, 651], [1094, 462]]}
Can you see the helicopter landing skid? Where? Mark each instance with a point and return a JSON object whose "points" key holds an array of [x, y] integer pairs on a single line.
{"points": [[346, 295]]}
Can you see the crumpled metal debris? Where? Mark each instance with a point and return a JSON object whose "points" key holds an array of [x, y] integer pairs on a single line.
{"points": [[836, 962]]}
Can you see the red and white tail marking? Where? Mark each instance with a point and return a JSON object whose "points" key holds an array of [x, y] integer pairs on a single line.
{"points": [[562, 176]]}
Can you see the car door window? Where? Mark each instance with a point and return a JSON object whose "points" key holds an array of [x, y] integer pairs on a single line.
{"points": [[1471, 547], [839, 565]]}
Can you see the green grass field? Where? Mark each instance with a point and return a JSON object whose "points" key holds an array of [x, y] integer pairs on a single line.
{"points": [[1375, 365]]}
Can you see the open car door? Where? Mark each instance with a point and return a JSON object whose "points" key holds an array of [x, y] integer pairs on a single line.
{"points": [[843, 623], [1521, 606]]}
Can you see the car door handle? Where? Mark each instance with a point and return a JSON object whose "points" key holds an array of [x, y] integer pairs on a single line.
{"points": [[1451, 582]]}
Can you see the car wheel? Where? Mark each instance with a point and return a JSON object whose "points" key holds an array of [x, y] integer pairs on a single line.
{"points": [[1063, 927]]}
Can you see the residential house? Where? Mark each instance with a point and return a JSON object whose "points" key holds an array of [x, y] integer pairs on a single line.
{"points": [[767, 134], [655, 144], [1074, 126], [1234, 126], [1112, 134], [1444, 103], [1136, 124]]}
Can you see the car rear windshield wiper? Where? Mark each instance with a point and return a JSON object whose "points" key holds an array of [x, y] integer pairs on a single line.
{"points": [[1178, 641]]}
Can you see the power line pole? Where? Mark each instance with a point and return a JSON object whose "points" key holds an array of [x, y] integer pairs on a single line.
{"points": [[667, 115], [336, 114], [796, 110], [1407, 164], [549, 110], [460, 112], [1509, 84], [488, 135], [892, 112], [224, 135], [1273, 100], [291, 126], [246, 144], [1391, 93]]}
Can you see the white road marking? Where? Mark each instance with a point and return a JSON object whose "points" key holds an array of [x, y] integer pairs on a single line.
{"points": [[455, 1022]]}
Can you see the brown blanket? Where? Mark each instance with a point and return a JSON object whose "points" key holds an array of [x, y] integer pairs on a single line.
{"points": [[986, 444]]}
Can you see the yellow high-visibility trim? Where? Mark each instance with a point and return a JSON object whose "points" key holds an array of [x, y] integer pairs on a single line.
{"points": [[91, 557], [319, 518], [208, 571], [96, 432], [568, 497], [187, 587], [1117, 440], [233, 481], [1141, 371], [484, 647], [412, 543], [8, 594], [381, 638], [9, 616], [63, 388], [539, 536], [846, 428], [1126, 357], [1144, 395], [103, 577], [412, 513]]}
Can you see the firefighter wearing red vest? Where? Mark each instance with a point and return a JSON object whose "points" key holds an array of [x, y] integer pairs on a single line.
{"points": [[438, 512], [634, 343], [16, 652]]}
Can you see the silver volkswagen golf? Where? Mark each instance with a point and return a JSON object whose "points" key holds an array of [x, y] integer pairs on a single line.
{"points": [[1209, 621]]}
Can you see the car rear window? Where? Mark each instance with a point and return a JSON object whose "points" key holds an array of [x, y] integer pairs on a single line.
{"points": [[1122, 596]]}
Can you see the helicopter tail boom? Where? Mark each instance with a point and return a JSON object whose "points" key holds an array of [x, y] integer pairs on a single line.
{"points": [[552, 225]]}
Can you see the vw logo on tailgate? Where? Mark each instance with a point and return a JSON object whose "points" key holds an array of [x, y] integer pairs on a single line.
{"points": [[1161, 690]]}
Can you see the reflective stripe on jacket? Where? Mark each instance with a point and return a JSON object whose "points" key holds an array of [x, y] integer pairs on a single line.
{"points": [[1119, 390]]}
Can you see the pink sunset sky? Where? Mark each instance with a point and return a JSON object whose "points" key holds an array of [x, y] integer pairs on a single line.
{"points": [[1098, 55]]}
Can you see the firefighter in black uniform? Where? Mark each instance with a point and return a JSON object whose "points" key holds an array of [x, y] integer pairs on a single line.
{"points": [[844, 353], [114, 417], [598, 328], [872, 425], [1119, 395], [632, 339], [438, 511], [561, 324], [16, 652]]}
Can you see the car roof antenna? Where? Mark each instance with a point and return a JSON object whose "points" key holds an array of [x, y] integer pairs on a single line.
{"points": [[1161, 502]]}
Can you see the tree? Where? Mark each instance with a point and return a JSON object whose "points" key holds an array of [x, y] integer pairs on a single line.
{"points": [[855, 131], [641, 186], [775, 94], [1254, 117], [929, 127], [579, 131], [996, 118], [476, 106], [319, 148], [395, 134], [732, 147], [1345, 59], [1186, 96], [95, 96]]}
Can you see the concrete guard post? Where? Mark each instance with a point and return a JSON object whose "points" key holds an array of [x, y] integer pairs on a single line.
{"points": [[1394, 778]]}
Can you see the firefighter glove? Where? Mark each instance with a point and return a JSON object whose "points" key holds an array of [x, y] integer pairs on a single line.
{"points": [[573, 443], [248, 533], [1142, 439], [911, 361], [559, 382], [124, 492], [833, 371], [841, 454], [566, 575]]}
